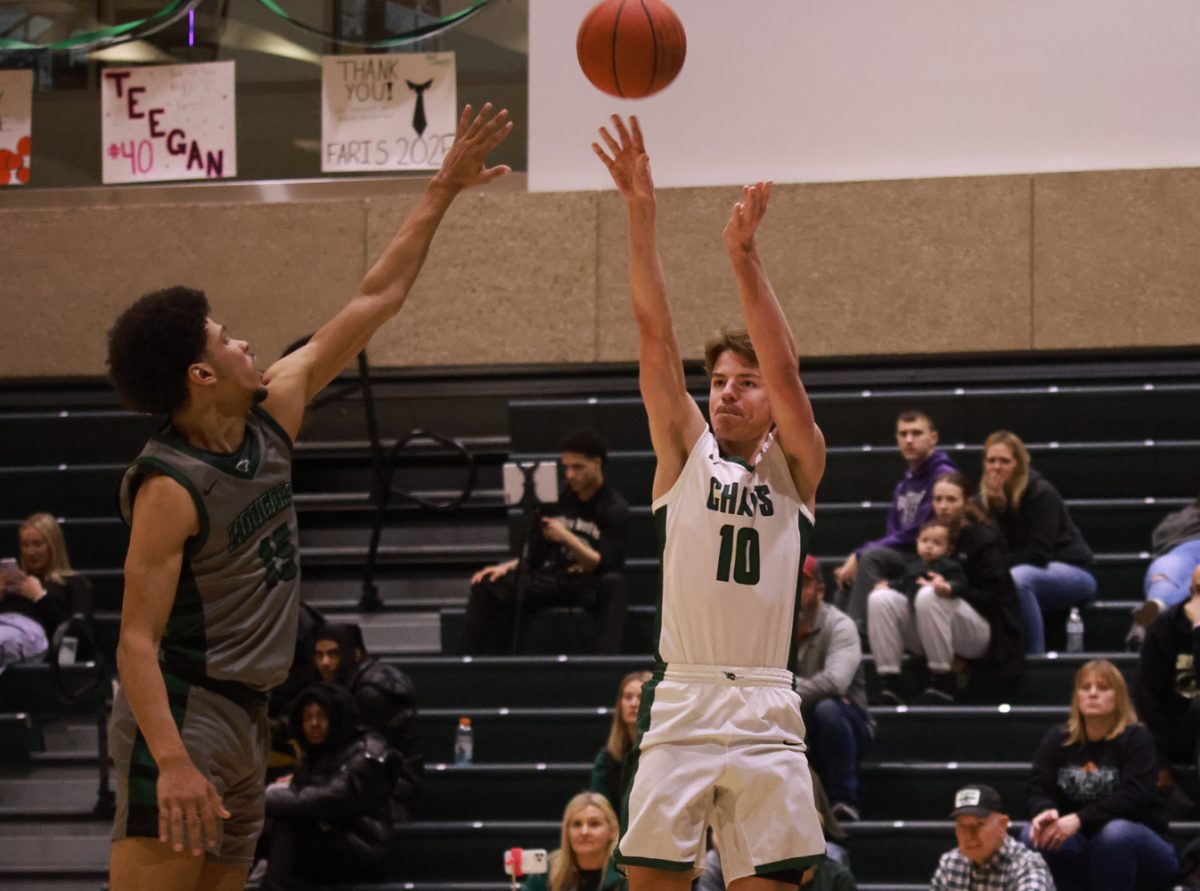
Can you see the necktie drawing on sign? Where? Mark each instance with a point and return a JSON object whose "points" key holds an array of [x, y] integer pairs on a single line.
{"points": [[419, 122]]}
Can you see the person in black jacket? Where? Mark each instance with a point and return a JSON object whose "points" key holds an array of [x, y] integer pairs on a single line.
{"points": [[1046, 552], [579, 560], [39, 591], [1098, 820], [1167, 683], [331, 820], [385, 698]]}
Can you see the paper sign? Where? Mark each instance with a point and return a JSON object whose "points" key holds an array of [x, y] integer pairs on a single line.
{"points": [[16, 103], [395, 112], [167, 122]]}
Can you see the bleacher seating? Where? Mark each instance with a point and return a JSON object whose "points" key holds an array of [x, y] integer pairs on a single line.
{"points": [[1111, 432]]}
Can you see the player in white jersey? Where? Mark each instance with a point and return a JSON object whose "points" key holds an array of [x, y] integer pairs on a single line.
{"points": [[721, 740], [193, 681]]}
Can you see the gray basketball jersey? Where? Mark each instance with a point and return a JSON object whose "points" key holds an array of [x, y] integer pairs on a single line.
{"points": [[237, 600], [733, 543]]}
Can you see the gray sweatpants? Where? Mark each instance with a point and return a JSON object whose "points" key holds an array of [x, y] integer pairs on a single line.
{"points": [[874, 566], [938, 627]]}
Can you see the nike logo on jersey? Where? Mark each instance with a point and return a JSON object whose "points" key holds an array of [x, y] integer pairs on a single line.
{"points": [[742, 501], [211, 486]]}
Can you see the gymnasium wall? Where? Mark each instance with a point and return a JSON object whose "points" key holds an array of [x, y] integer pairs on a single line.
{"points": [[1044, 261]]}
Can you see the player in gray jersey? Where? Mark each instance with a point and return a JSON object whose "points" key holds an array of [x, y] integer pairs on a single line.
{"points": [[208, 620], [720, 736]]}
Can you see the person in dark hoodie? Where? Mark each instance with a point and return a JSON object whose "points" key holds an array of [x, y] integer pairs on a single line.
{"points": [[331, 821], [1046, 552], [385, 698], [1098, 820], [1167, 683], [912, 506]]}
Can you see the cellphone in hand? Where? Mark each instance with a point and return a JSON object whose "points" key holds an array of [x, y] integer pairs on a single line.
{"points": [[525, 861]]}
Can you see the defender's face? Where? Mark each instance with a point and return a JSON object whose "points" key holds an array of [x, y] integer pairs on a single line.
{"points": [[35, 552], [737, 400], [233, 363]]}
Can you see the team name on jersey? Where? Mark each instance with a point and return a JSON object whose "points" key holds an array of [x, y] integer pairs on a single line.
{"points": [[741, 501], [258, 513]]}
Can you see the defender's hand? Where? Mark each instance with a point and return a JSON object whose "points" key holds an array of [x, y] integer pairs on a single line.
{"points": [[188, 807], [463, 166]]}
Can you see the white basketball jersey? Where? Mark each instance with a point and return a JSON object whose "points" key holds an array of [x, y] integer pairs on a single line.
{"points": [[733, 543]]}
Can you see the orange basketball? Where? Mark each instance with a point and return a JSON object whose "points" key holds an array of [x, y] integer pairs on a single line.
{"points": [[631, 48]]}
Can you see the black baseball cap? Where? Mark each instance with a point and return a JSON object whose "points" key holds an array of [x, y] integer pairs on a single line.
{"points": [[977, 801]]}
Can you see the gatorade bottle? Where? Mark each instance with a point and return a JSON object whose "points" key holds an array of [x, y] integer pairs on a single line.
{"points": [[464, 742], [1074, 631]]}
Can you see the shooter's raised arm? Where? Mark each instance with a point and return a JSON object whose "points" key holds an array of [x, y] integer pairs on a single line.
{"points": [[675, 419], [767, 325], [295, 379]]}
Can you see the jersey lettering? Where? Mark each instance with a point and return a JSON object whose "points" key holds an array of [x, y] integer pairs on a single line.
{"points": [[741, 501]]}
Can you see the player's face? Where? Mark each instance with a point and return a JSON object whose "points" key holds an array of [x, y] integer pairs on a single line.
{"points": [[631, 699], [315, 724], [949, 502], [589, 833], [233, 363], [980, 837], [999, 464], [916, 440], [932, 544], [1097, 699], [328, 656], [35, 552], [737, 400], [584, 475]]}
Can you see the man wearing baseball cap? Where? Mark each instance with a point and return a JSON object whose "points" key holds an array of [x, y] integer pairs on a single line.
{"points": [[987, 857], [833, 691]]}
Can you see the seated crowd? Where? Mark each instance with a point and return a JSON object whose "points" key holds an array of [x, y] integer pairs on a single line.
{"points": [[959, 581]]}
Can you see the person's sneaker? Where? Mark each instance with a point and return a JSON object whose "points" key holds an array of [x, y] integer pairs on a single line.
{"points": [[889, 692], [1142, 617], [846, 813], [940, 691]]}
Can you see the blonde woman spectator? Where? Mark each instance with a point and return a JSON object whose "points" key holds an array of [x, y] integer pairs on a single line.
{"points": [[583, 861], [38, 592], [1098, 821], [1046, 552], [610, 762]]}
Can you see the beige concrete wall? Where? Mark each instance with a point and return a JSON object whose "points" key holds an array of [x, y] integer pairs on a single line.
{"points": [[970, 264]]}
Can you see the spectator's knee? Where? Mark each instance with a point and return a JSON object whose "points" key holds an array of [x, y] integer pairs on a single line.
{"points": [[926, 599], [1117, 832], [827, 711], [1022, 576]]}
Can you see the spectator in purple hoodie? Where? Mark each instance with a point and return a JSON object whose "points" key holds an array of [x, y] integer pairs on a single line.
{"points": [[912, 506]]}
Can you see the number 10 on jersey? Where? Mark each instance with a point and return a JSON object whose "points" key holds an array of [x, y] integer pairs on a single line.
{"points": [[739, 553]]}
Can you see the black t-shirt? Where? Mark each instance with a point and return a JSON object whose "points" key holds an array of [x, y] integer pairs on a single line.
{"points": [[589, 879], [602, 521]]}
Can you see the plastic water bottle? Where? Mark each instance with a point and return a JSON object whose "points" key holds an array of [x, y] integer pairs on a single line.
{"points": [[1074, 631], [464, 742]]}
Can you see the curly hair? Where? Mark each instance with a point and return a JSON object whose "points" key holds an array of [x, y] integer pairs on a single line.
{"points": [[151, 346]]}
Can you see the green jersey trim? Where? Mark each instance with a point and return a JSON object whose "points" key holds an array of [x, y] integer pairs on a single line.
{"points": [[225, 463], [806, 532], [800, 863], [653, 863], [660, 527], [265, 416], [195, 543]]}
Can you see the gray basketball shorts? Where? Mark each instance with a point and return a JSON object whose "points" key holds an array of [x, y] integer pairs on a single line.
{"points": [[228, 744]]}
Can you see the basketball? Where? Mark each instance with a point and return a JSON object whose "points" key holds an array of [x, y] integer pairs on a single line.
{"points": [[631, 48]]}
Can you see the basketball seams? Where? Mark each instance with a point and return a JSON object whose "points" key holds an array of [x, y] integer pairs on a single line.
{"points": [[616, 31], [655, 49]]}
